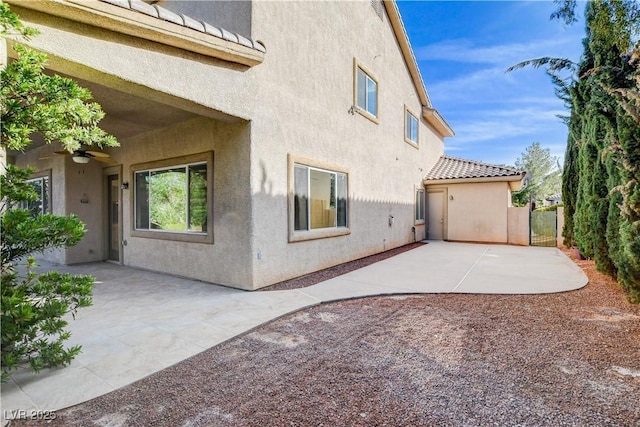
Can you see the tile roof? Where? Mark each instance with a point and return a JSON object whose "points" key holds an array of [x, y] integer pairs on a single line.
{"points": [[185, 21], [449, 167]]}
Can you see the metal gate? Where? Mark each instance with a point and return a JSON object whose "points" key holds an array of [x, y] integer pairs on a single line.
{"points": [[543, 228]]}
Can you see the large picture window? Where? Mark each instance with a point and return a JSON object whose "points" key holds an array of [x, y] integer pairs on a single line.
{"points": [[41, 205], [320, 198], [172, 199]]}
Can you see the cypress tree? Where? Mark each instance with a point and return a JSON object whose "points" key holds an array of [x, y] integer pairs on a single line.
{"points": [[571, 171], [601, 180], [583, 218], [628, 257], [601, 185]]}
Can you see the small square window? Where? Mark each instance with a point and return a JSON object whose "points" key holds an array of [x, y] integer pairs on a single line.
{"points": [[410, 127]]}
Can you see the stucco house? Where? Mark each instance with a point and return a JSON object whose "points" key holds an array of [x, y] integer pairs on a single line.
{"points": [[471, 201], [260, 141]]}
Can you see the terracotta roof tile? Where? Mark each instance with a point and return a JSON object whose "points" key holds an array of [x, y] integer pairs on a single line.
{"points": [[449, 167], [166, 15]]}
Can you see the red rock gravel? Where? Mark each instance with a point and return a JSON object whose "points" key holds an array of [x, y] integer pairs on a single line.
{"points": [[455, 360]]}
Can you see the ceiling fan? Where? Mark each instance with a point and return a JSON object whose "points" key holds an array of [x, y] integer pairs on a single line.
{"points": [[83, 156]]}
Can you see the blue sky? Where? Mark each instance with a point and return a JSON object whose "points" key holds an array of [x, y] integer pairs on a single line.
{"points": [[463, 49]]}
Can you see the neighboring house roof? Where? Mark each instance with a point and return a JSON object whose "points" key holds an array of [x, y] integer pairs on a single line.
{"points": [[454, 170], [166, 15], [555, 198]]}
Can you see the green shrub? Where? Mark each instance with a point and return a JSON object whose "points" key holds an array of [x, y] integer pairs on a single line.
{"points": [[58, 109], [33, 305]]}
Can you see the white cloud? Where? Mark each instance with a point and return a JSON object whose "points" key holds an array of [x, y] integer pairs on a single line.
{"points": [[501, 135], [469, 88], [504, 125], [466, 51], [495, 114]]}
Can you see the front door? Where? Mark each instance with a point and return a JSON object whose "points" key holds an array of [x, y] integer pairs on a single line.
{"points": [[436, 215], [113, 214]]}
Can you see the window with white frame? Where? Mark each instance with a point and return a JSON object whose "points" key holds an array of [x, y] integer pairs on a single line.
{"points": [[41, 204], [420, 202], [366, 92], [410, 127], [320, 198], [172, 199]]}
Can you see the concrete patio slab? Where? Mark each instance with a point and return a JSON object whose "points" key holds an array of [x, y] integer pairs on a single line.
{"points": [[142, 322], [339, 288]]}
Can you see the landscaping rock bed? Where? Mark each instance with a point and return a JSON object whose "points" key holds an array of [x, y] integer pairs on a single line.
{"points": [[453, 360]]}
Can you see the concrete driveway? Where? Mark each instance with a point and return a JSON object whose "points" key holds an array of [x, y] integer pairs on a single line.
{"points": [[142, 322]]}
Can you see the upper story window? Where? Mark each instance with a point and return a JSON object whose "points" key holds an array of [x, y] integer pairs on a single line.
{"points": [[410, 127], [172, 198], [366, 93], [41, 205]]}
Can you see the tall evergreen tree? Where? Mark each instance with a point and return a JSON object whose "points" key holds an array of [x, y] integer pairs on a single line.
{"points": [[543, 175], [601, 181], [608, 147]]}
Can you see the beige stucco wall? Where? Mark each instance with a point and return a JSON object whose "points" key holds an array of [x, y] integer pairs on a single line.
{"points": [[43, 159], [141, 67], [226, 260], [518, 231], [296, 103], [477, 212], [83, 196], [304, 111]]}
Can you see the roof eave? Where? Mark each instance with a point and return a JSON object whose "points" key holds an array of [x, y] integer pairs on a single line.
{"points": [[403, 41], [515, 181], [133, 23], [432, 117], [435, 119]]}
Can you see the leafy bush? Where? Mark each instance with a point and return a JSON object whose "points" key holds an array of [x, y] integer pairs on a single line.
{"points": [[33, 305]]}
